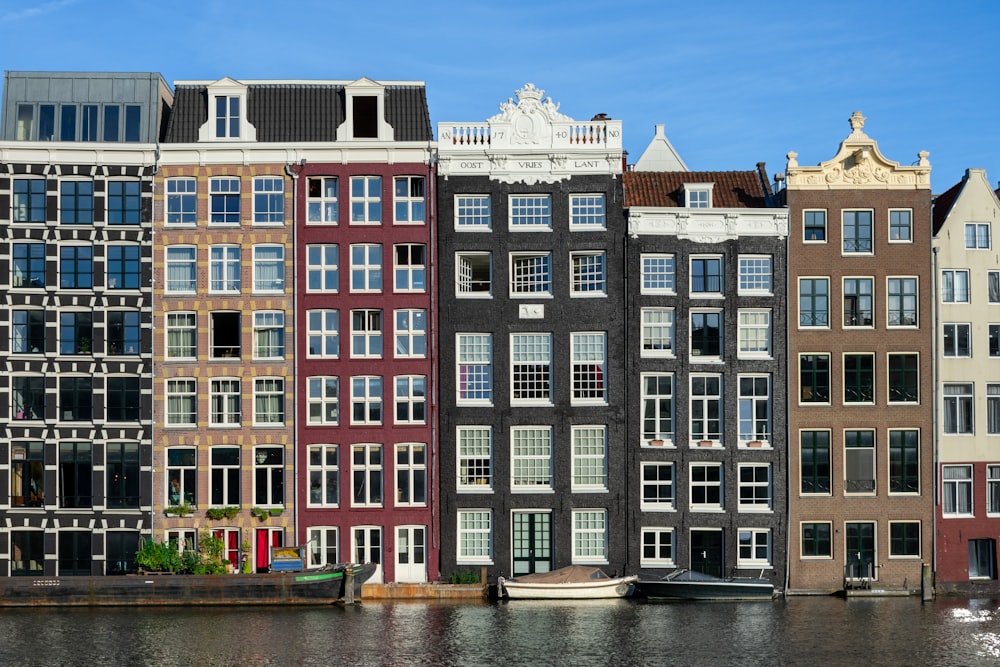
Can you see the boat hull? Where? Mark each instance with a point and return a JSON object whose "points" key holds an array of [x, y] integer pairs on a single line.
{"points": [[316, 587], [658, 589], [591, 590]]}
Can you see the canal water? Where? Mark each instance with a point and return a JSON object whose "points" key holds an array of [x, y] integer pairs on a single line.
{"points": [[824, 632]]}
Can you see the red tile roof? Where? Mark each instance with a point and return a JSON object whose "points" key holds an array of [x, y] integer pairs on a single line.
{"points": [[732, 189]]}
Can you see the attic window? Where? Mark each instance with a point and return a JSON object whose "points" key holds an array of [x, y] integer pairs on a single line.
{"points": [[698, 195], [227, 116], [365, 117]]}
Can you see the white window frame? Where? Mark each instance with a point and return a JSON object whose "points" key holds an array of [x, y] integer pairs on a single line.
{"points": [[588, 368], [474, 543], [588, 274], [653, 537], [531, 459], [271, 265], [981, 236], [859, 282], [323, 399], [368, 394], [530, 212], [960, 482], [753, 324], [707, 293], [323, 333], [896, 223], [590, 536], [816, 213], [324, 545], [228, 188], [864, 455], [226, 261], [474, 452], [410, 464], [181, 391], [705, 485], [920, 536], [367, 326], [467, 286], [368, 268], [698, 195], [951, 290], [753, 539], [474, 351], [369, 205], [993, 286], [414, 206], [410, 333], [700, 357], [473, 213], [271, 189], [268, 334], [747, 427], [269, 401], [530, 274], [411, 399], [184, 324], [815, 312], [225, 401], [661, 438], [992, 489], [273, 492], [189, 285], [409, 268], [656, 477], [759, 493], [323, 265], [370, 467], [320, 465], [752, 272], [953, 349], [659, 273], [959, 398], [858, 239], [698, 436], [183, 191], [898, 319], [587, 212], [589, 469], [324, 208], [659, 332]]}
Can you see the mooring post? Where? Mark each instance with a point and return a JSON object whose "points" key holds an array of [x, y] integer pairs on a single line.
{"points": [[349, 585], [927, 581]]}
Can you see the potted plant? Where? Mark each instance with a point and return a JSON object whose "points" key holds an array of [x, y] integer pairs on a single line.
{"points": [[217, 513], [259, 512], [704, 443], [184, 509], [276, 511], [656, 443]]}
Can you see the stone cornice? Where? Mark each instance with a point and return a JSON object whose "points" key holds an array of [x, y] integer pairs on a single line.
{"points": [[77, 153], [708, 225], [246, 153]]}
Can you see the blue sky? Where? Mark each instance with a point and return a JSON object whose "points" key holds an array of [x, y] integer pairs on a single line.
{"points": [[734, 82]]}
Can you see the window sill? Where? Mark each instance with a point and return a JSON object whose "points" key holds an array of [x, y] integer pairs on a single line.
{"points": [[469, 490]]}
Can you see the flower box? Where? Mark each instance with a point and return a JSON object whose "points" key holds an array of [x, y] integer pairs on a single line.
{"points": [[705, 443], [655, 443]]}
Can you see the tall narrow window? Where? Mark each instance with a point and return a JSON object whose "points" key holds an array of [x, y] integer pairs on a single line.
{"points": [[958, 400], [76, 202], [814, 378], [269, 476], [475, 458], [366, 268], [268, 268], [411, 399], [224, 476], [268, 200], [366, 334], [531, 368], [859, 461], [182, 201], [224, 269], [531, 458], [857, 232], [904, 461], [323, 399], [322, 268], [589, 367], [474, 368], [755, 409], [224, 200], [227, 116], [366, 475], [366, 200], [124, 267], [706, 409], [124, 202], [902, 295], [814, 302], [322, 200], [858, 302], [181, 269], [29, 200], [411, 207], [956, 490], [27, 474], [182, 476], [814, 451], [75, 474], [323, 333], [590, 469], [859, 378], [324, 476], [366, 400], [410, 268], [410, 333], [123, 475], [411, 475], [658, 408]]}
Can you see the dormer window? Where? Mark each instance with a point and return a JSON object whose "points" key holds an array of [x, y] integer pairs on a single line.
{"points": [[227, 113], [364, 112], [227, 117], [698, 195]]}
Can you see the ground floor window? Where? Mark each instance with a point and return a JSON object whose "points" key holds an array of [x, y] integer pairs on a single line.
{"points": [[657, 547], [816, 540], [904, 539], [27, 553], [982, 559], [323, 546], [754, 548], [475, 537], [74, 553], [590, 536], [121, 546]]}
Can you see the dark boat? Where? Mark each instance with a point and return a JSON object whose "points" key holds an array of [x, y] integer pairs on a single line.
{"points": [[691, 585], [324, 586]]}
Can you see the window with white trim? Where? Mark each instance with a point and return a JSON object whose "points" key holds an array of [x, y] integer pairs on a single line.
{"points": [[531, 458], [411, 399], [366, 334], [410, 333], [268, 401], [993, 409], [657, 486], [705, 491], [531, 274], [900, 226], [590, 536], [181, 269], [324, 476], [411, 207], [706, 334], [706, 410], [588, 276], [29, 265], [698, 195], [182, 335], [366, 399], [993, 286], [28, 331], [474, 368], [707, 275], [323, 399], [366, 200], [324, 546], [858, 298], [587, 212], [957, 340], [859, 461], [182, 201], [366, 475], [958, 408], [268, 269], [857, 230], [182, 402], [475, 458], [322, 200], [954, 286], [29, 200], [411, 474], [658, 273], [754, 333], [814, 226], [589, 466], [904, 461], [323, 333], [76, 267], [225, 399], [993, 489], [531, 368], [754, 487], [657, 332], [530, 212], [227, 116], [657, 409], [755, 274], [475, 537], [754, 548], [902, 302], [904, 539], [182, 476], [755, 410], [322, 268], [366, 267], [224, 201], [814, 302], [657, 547], [956, 490], [473, 213], [269, 334], [224, 476], [859, 378], [410, 268], [269, 476], [268, 200], [816, 541], [588, 356], [977, 235], [224, 269], [473, 275]]}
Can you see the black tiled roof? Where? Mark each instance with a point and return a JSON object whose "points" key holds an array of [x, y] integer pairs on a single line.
{"points": [[300, 112]]}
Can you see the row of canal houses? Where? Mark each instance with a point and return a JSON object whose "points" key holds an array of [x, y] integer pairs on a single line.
{"points": [[281, 312]]}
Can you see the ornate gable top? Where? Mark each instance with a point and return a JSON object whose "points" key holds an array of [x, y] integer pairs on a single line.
{"points": [[858, 164]]}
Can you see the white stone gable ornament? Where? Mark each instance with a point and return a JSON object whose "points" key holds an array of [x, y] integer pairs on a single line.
{"points": [[531, 118]]}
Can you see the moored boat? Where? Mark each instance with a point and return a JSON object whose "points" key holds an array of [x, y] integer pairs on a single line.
{"points": [[323, 586], [574, 582], [691, 585]]}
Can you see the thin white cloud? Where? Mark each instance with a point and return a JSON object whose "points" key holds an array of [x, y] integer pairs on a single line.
{"points": [[38, 10]]}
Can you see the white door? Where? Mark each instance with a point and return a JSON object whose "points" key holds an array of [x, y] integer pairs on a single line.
{"points": [[366, 547], [411, 554]]}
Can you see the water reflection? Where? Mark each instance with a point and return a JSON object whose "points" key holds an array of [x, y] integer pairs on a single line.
{"points": [[801, 631]]}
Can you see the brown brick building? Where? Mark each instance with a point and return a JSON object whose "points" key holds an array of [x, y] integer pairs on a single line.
{"points": [[859, 359]]}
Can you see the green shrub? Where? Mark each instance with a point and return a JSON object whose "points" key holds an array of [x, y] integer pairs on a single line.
{"points": [[464, 578]]}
